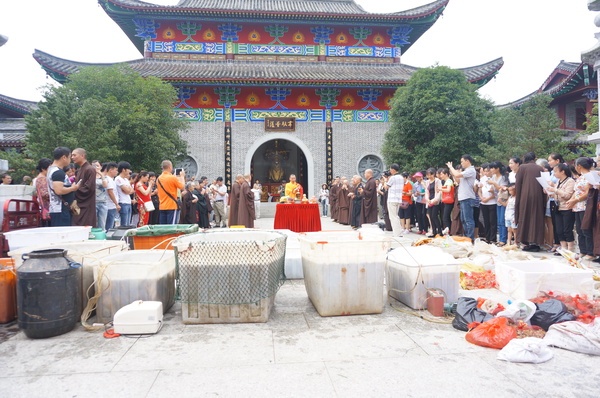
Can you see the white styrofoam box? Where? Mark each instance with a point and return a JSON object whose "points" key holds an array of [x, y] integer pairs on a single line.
{"points": [[523, 280], [139, 317], [45, 235], [7, 192], [413, 270], [195, 313], [85, 252], [343, 271], [133, 275], [293, 264]]}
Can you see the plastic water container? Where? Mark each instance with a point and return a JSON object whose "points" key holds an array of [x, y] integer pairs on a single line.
{"points": [[48, 294], [85, 252], [147, 275], [14, 192], [343, 271], [229, 276], [413, 270], [523, 280], [45, 235]]}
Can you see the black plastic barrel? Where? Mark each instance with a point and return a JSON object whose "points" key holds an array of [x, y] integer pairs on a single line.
{"points": [[48, 293]]}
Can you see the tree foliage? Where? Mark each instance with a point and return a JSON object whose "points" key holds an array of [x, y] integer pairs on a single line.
{"points": [[113, 113], [19, 165], [437, 117]]}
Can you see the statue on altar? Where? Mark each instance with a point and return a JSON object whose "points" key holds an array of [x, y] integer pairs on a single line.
{"points": [[276, 172], [293, 189], [276, 154]]}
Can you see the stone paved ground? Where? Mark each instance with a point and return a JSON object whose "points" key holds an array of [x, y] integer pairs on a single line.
{"points": [[297, 353]]}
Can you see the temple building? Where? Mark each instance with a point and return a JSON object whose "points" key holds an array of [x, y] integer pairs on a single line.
{"points": [[274, 87], [12, 122], [573, 87]]}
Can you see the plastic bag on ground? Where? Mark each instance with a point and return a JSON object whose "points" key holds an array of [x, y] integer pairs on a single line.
{"points": [[528, 350], [521, 310], [575, 336], [550, 312], [467, 312], [495, 333]]}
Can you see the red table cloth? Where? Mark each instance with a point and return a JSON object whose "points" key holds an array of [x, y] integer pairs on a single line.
{"points": [[298, 217]]}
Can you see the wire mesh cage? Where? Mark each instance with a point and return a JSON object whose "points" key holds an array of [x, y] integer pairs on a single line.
{"points": [[229, 266]]}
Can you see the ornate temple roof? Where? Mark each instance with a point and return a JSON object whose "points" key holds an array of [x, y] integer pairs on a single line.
{"points": [[334, 11], [565, 78], [16, 107], [266, 73]]}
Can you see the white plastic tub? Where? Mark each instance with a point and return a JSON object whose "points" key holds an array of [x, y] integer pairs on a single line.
{"points": [[229, 276], [413, 270], [45, 235], [85, 252], [523, 280], [343, 272], [147, 275]]}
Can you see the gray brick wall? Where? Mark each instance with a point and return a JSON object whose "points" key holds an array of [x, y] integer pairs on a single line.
{"points": [[351, 141]]}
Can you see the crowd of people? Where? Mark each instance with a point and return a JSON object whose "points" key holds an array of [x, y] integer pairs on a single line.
{"points": [[71, 190], [537, 204]]}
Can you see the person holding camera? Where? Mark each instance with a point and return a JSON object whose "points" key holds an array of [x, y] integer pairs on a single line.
{"points": [[168, 185]]}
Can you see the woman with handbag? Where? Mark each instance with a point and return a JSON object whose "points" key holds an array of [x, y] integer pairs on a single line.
{"points": [[447, 199], [499, 180], [41, 190], [142, 194], [434, 190], [565, 219]]}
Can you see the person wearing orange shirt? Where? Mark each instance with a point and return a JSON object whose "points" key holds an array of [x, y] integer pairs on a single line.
{"points": [[168, 184]]}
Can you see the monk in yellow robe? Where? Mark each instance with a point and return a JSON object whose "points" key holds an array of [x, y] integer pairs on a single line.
{"points": [[293, 189]]}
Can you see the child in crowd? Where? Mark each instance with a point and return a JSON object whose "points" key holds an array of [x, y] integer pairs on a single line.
{"points": [[509, 215]]}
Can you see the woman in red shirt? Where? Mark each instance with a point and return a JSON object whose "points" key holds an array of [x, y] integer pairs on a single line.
{"points": [[142, 194]]}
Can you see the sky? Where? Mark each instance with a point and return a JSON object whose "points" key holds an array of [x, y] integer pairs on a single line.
{"points": [[532, 36]]}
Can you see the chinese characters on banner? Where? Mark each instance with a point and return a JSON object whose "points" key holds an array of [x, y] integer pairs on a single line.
{"points": [[280, 124]]}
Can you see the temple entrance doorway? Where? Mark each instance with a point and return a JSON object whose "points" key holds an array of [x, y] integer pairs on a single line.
{"points": [[274, 161]]}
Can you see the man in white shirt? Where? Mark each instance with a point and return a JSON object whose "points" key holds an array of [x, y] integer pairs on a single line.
{"points": [[110, 170], [220, 193], [466, 193], [124, 189], [394, 186]]}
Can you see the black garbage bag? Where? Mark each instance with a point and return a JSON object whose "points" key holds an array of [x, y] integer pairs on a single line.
{"points": [[550, 312], [467, 312]]}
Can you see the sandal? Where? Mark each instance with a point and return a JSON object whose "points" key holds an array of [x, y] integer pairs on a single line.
{"points": [[500, 244]]}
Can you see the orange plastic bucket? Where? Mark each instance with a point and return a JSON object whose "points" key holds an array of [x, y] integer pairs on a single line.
{"points": [[8, 290]]}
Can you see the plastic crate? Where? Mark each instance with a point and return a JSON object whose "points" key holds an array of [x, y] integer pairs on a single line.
{"points": [[413, 270], [343, 271], [158, 236]]}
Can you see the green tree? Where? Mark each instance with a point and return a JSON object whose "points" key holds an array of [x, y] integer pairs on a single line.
{"points": [[531, 127], [113, 113], [19, 165], [437, 117]]}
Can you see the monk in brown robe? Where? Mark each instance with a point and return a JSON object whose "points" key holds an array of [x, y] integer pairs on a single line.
{"points": [[234, 198], [368, 193], [245, 215], [333, 199], [530, 204], [343, 202], [86, 194]]}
